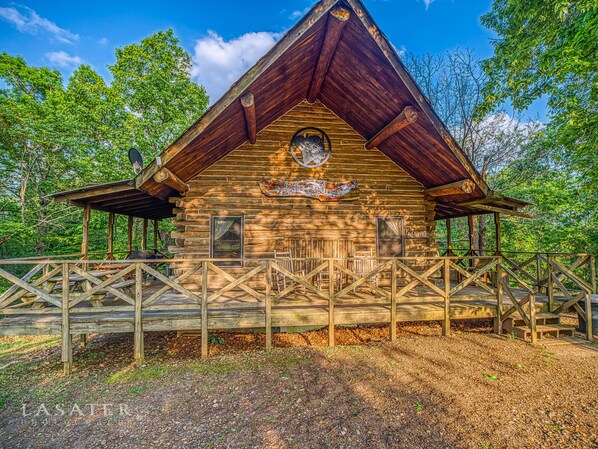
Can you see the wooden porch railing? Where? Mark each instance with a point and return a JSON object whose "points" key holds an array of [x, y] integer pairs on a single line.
{"points": [[69, 287]]}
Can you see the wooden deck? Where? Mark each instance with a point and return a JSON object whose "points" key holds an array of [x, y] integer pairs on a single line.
{"points": [[236, 310], [76, 298]]}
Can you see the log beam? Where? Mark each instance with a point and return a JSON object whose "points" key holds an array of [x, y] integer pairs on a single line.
{"points": [[165, 176], [449, 238], [156, 230], [248, 103], [454, 188], [497, 228], [337, 19], [130, 234], [144, 235], [85, 237], [110, 235], [487, 208], [407, 116]]}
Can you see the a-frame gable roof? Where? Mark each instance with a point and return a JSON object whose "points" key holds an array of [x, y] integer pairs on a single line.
{"points": [[335, 54]]}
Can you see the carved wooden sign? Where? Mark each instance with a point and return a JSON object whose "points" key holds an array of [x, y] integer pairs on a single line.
{"points": [[320, 189]]}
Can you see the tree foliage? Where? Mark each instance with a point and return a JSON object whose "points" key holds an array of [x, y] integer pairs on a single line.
{"points": [[549, 49], [57, 136]]}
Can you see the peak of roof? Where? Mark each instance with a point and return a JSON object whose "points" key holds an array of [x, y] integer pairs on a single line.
{"points": [[335, 54]]}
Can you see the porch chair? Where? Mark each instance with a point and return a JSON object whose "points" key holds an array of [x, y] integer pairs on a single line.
{"points": [[363, 263], [285, 260]]}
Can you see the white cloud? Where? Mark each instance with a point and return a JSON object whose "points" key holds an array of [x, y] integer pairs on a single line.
{"points": [[63, 59], [103, 41], [428, 3], [218, 63], [26, 20], [299, 13]]}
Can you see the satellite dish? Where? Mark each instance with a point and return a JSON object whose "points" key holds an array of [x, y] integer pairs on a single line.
{"points": [[136, 160]]}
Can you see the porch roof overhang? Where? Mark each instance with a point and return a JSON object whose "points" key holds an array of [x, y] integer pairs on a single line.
{"points": [[492, 203], [120, 197]]}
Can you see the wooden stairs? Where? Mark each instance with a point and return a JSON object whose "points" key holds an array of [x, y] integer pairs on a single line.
{"points": [[548, 325]]}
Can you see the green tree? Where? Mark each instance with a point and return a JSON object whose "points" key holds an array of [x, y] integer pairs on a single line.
{"points": [[56, 137], [153, 79], [549, 49]]}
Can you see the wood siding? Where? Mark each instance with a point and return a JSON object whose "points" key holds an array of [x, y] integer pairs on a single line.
{"points": [[230, 187]]}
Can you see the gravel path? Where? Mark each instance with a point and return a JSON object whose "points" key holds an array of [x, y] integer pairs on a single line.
{"points": [[470, 390]]}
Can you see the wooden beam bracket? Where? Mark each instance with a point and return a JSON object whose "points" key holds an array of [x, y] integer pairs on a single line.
{"points": [[337, 19], [454, 188], [407, 116], [248, 103], [171, 180]]}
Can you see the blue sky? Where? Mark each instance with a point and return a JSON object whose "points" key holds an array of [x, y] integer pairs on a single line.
{"points": [[224, 37]]}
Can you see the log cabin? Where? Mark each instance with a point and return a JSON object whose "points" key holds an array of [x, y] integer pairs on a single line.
{"points": [[308, 194]]}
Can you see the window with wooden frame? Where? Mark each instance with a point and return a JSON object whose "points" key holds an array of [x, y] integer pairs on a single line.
{"points": [[226, 240], [390, 236]]}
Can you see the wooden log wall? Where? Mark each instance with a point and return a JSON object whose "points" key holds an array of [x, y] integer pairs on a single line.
{"points": [[230, 187]]}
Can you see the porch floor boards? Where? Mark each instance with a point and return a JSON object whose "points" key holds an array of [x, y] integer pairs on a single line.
{"points": [[237, 310]]}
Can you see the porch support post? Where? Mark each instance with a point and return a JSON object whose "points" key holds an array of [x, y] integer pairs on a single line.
{"points": [[130, 234], [268, 305], [331, 302], [550, 286], [498, 319], [138, 346], [85, 237], [156, 234], [393, 301], [204, 310], [67, 342], [588, 304], [449, 238], [144, 235], [111, 235], [446, 324], [532, 318], [497, 228], [471, 241]]}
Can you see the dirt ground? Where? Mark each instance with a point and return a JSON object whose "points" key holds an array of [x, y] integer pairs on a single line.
{"points": [[470, 390]]}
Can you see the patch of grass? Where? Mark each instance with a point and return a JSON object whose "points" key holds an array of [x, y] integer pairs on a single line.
{"points": [[135, 390], [418, 407], [21, 346], [512, 336], [519, 366], [491, 376], [216, 339], [547, 357], [484, 445], [219, 367], [154, 372], [554, 426]]}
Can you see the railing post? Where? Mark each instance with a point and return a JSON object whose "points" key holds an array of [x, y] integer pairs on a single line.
{"points": [[499, 293], [331, 302], [67, 342], [204, 310], [138, 339], [550, 285], [268, 305], [538, 274], [446, 324], [593, 274], [532, 318], [589, 330], [393, 300]]}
